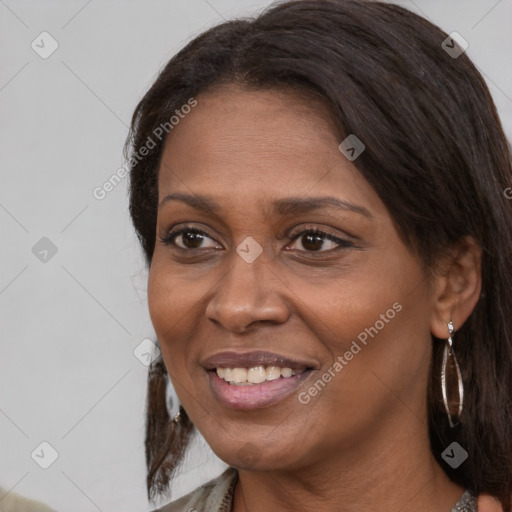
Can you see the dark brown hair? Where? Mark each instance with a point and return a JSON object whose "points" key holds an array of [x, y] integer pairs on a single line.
{"points": [[435, 154]]}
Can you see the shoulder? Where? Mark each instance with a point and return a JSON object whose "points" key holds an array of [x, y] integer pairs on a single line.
{"points": [[487, 503], [215, 495], [12, 502]]}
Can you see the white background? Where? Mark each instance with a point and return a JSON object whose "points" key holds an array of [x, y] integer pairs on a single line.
{"points": [[69, 326]]}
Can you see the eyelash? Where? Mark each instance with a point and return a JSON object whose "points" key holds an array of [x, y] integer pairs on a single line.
{"points": [[169, 238]]}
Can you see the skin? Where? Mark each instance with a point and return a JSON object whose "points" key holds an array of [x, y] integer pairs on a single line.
{"points": [[362, 442]]}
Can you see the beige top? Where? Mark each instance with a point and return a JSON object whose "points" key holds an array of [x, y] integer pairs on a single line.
{"points": [[217, 496], [12, 502], [213, 496]]}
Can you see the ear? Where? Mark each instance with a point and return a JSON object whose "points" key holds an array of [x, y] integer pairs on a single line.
{"points": [[457, 286]]}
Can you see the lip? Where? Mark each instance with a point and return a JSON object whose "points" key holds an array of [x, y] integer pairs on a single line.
{"points": [[256, 396], [254, 358]]}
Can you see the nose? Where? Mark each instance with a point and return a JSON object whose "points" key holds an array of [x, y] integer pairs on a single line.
{"points": [[248, 294]]}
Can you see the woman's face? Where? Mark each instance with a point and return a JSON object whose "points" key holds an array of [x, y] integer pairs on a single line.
{"points": [[350, 305]]}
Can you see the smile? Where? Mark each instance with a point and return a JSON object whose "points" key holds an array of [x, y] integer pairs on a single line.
{"points": [[255, 375], [247, 395], [257, 379]]}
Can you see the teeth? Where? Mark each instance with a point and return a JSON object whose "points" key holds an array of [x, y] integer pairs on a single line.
{"points": [[239, 375], [257, 375], [273, 372], [254, 375], [286, 372]]}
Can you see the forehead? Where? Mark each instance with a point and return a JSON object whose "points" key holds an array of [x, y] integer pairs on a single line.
{"points": [[264, 142], [234, 124]]}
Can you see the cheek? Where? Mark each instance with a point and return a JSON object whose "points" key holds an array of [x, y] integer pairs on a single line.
{"points": [[360, 301], [378, 323], [170, 304], [385, 364], [171, 296]]}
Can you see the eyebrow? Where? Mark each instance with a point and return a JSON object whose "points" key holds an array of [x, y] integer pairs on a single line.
{"points": [[283, 207]]}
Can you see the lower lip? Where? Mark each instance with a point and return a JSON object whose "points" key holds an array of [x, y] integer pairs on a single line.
{"points": [[255, 396]]}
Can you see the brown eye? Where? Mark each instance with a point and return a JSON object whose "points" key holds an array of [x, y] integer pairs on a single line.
{"points": [[189, 238], [314, 241], [192, 239]]}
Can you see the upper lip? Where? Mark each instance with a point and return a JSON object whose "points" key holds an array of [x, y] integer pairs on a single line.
{"points": [[252, 359]]}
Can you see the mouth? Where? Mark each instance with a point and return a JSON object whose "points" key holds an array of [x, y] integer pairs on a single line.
{"points": [[255, 375], [256, 379]]}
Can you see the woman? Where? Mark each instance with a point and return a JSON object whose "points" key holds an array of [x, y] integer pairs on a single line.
{"points": [[319, 193]]}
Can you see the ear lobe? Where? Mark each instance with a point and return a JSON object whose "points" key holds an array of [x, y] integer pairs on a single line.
{"points": [[457, 286]]}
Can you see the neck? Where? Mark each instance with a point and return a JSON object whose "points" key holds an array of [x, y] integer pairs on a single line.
{"points": [[394, 470]]}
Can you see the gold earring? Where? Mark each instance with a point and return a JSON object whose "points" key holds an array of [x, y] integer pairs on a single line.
{"points": [[177, 418]]}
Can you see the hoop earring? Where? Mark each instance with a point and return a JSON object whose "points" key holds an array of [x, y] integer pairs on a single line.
{"points": [[449, 372]]}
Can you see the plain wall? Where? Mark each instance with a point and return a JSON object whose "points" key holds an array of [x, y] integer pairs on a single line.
{"points": [[70, 324]]}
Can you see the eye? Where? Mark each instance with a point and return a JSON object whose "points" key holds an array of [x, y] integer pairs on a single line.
{"points": [[189, 238], [314, 240], [311, 240]]}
